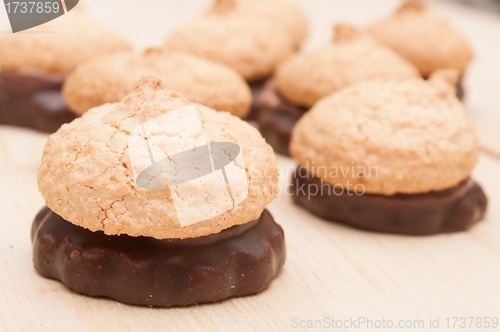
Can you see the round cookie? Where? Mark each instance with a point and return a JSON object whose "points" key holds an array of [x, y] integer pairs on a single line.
{"points": [[86, 175], [250, 36], [423, 38], [352, 57], [286, 13], [75, 37], [109, 79], [413, 134]]}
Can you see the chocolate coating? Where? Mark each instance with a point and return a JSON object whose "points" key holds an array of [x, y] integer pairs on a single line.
{"points": [[238, 261], [277, 117], [460, 88], [255, 88], [451, 210], [33, 100]]}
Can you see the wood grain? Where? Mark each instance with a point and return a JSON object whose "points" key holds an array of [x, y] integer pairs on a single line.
{"points": [[331, 270]]}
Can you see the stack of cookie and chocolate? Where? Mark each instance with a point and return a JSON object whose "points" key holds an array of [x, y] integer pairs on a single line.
{"points": [[35, 64], [168, 240], [390, 156]]}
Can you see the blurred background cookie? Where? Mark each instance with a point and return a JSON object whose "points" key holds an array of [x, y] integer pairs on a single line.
{"points": [[108, 79], [35, 64], [304, 78], [251, 36], [425, 39]]}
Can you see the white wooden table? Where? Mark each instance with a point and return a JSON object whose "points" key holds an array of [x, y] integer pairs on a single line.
{"points": [[331, 270]]}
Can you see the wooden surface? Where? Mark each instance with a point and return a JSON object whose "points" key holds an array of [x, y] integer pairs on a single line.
{"points": [[331, 270]]}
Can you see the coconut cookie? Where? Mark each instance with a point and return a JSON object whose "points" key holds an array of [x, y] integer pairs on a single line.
{"points": [[390, 156], [34, 66], [170, 187], [108, 79], [303, 79], [251, 36], [426, 40]]}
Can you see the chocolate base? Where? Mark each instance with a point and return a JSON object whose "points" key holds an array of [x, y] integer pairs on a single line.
{"points": [[256, 88], [460, 89], [33, 100], [276, 116], [451, 210], [238, 261]]}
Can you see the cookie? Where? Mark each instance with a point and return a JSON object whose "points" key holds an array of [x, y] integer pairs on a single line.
{"points": [[34, 66], [60, 45], [416, 133], [351, 57], [395, 141], [250, 36], [304, 78], [423, 38], [90, 167], [108, 79]]}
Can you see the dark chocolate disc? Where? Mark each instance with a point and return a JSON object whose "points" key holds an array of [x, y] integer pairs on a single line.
{"points": [[451, 210], [238, 261]]}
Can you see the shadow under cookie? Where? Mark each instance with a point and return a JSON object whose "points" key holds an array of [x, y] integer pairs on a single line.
{"points": [[451, 210], [238, 261], [33, 100]]}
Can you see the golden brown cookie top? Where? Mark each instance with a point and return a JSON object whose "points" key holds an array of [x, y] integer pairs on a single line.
{"points": [[64, 43], [351, 57], [121, 168], [423, 38], [109, 79], [251, 36], [410, 136]]}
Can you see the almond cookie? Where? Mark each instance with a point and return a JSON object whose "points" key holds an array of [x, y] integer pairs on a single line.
{"points": [[250, 36], [34, 66], [303, 79], [109, 79], [176, 190], [391, 156], [422, 37]]}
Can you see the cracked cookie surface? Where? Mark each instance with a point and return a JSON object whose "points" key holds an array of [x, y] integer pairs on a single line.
{"points": [[410, 136], [86, 175]]}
